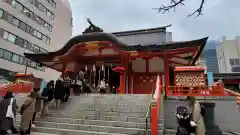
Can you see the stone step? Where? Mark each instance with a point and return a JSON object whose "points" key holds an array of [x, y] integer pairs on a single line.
{"points": [[97, 105], [90, 117], [98, 113], [96, 128], [58, 131], [38, 133], [110, 109], [94, 123]]}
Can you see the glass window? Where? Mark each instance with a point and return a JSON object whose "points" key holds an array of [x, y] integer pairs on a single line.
{"points": [[1, 53], [11, 37], [42, 8], [44, 38], [5, 35], [10, 18], [15, 22], [1, 13], [7, 55], [15, 58], [25, 42], [27, 12], [23, 26], [40, 21], [39, 35], [36, 49], [48, 41], [25, 61], [28, 29], [34, 33], [29, 46], [19, 41], [14, 3], [50, 28], [19, 7], [21, 59]]}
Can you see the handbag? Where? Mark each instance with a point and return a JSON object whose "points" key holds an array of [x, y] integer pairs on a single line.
{"points": [[9, 113]]}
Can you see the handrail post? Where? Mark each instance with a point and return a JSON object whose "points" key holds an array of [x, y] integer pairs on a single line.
{"points": [[154, 118]]}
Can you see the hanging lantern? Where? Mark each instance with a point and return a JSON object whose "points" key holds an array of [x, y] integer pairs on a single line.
{"points": [[102, 68], [94, 68], [85, 67]]}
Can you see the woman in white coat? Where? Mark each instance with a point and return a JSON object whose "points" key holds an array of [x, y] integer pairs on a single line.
{"points": [[197, 119]]}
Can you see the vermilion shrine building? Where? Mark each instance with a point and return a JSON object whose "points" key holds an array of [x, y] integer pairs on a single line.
{"points": [[143, 54]]}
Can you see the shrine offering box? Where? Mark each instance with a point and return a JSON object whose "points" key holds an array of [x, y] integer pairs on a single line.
{"points": [[189, 76]]}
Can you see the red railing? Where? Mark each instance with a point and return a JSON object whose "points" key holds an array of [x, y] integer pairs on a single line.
{"points": [[215, 90], [155, 107]]}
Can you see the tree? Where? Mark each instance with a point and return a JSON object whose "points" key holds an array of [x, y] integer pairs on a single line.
{"points": [[174, 3]]}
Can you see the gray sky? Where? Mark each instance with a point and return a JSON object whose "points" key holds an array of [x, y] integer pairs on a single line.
{"points": [[220, 17]]}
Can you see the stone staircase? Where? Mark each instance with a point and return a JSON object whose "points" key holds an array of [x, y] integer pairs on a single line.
{"points": [[95, 114]]}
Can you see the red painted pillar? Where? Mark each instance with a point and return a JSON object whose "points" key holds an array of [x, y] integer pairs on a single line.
{"points": [[122, 83], [166, 73], [154, 119]]}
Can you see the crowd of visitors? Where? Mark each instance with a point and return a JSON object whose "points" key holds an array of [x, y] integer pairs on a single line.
{"points": [[36, 102]]}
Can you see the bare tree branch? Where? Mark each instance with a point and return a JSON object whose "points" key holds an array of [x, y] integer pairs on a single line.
{"points": [[174, 3]]}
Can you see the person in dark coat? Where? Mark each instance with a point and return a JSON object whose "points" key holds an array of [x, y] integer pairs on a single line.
{"points": [[58, 92], [8, 114], [48, 93]]}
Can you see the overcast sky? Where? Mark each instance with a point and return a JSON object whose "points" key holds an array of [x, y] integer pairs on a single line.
{"points": [[220, 17]]}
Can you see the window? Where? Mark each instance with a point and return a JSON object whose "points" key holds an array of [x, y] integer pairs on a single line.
{"points": [[10, 18], [50, 15], [29, 46], [28, 29], [15, 22], [14, 3], [36, 49], [42, 8], [39, 35], [1, 53], [15, 58], [19, 41], [44, 38], [40, 21], [21, 59], [48, 40], [1, 13], [23, 26], [11, 38], [5, 35], [27, 12], [234, 62], [7, 55], [52, 3], [19, 7]]}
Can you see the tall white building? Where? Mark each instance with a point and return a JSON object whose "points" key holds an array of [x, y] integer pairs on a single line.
{"points": [[32, 26], [228, 55]]}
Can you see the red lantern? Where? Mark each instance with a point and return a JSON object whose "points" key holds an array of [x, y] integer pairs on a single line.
{"points": [[119, 69]]}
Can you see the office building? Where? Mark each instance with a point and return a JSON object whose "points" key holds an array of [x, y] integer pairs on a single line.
{"points": [[228, 54], [35, 26]]}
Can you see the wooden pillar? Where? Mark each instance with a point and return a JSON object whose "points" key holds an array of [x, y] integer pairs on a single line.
{"points": [[124, 62], [166, 72], [122, 83]]}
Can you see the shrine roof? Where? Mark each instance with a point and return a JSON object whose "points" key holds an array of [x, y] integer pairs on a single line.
{"points": [[101, 36]]}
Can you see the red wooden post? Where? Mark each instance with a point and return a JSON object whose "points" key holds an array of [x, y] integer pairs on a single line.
{"points": [[122, 83], [154, 119], [166, 75]]}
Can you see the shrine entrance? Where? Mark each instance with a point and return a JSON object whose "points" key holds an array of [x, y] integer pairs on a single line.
{"points": [[144, 84]]}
